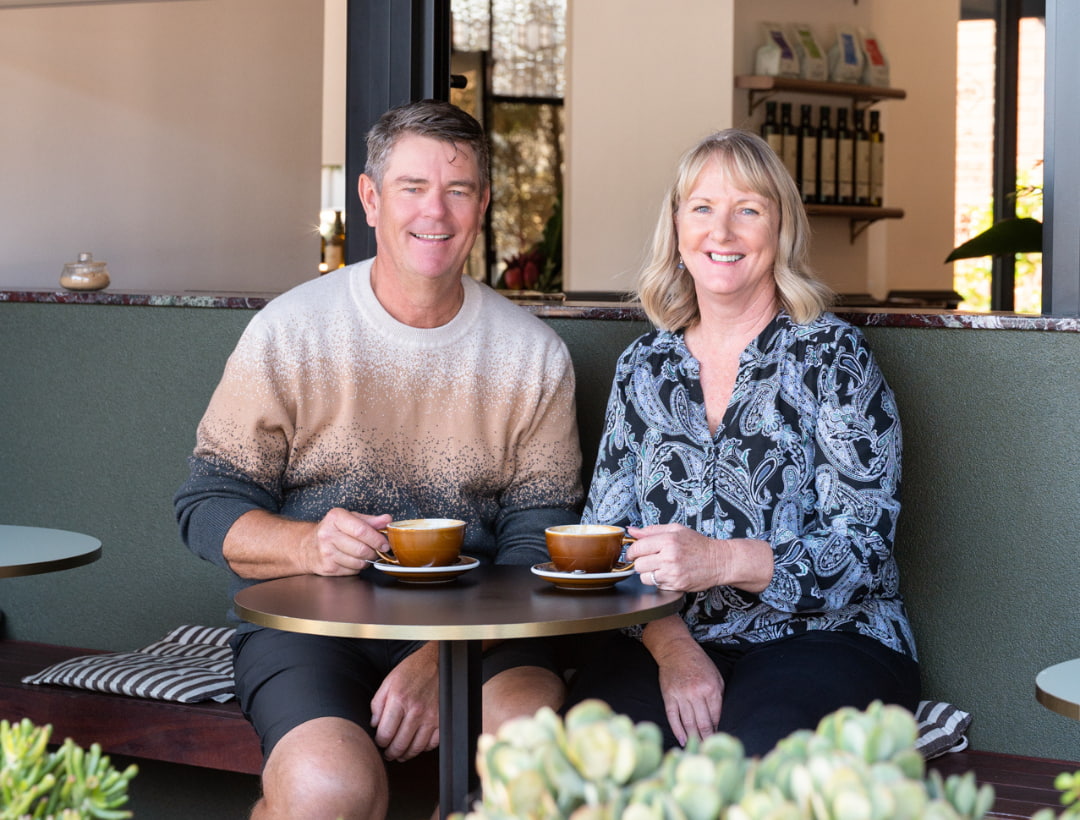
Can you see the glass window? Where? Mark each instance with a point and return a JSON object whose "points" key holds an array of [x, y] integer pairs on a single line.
{"points": [[976, 145], [513, 52]]}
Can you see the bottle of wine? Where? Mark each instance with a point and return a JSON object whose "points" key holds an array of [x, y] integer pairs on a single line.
{"points": [[770, 130], [789, 135], [827, 158], [808, 156], [877, 161], [334, 245], [862, 159], [845, 160]]}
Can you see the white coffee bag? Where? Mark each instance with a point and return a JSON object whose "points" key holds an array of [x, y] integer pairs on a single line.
{"points": [[876, 70], [777, 57], [845, 56], [813, 64]]}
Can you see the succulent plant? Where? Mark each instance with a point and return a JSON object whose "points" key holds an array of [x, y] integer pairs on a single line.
{"points": [[69, 783], [597, 765]]}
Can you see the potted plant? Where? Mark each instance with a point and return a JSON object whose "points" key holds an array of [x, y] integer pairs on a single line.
{"points": [[597, 765], [69, 783], [538, 270]]}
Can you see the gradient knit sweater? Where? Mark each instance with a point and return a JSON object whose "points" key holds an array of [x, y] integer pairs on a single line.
{"points": [[328, 401]]}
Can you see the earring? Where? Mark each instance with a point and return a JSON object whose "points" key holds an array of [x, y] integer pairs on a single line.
{"points": [[681, 265]]}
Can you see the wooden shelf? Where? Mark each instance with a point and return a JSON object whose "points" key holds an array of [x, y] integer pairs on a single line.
{"points": [[861, 216], [762, 87]]}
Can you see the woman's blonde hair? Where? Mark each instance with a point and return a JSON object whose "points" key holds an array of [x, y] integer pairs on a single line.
{"points": [[666, 288]]}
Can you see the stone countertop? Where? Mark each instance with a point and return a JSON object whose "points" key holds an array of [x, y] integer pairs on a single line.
{"points": [[553, 309]]}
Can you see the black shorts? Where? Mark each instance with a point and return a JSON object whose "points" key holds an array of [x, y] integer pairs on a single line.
{"points": [[771, 689], [561, 654], [284, 679]]}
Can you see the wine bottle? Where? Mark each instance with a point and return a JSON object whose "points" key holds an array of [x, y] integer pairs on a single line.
{"points": [[790, 141], [845, 160], [877, 161], [808, 156], [770, 130], [334, 245], [862, 159], [827, 158]]}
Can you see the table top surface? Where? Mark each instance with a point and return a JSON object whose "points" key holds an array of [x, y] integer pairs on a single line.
{"points": [[32, 550], [1058, 687], [488, 602]]}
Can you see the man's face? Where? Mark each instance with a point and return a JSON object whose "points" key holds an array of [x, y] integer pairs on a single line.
{"points": [[429, 211]]}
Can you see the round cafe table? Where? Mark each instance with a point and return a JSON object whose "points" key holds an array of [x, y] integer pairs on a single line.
{"points": [[33, 550], [485, 603], [1058, 688]]}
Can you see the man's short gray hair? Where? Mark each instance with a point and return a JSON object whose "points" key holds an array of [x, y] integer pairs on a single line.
{"points": [[425, 118]]}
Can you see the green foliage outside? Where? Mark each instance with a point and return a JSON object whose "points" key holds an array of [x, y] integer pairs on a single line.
{"points": [[971, 277], [69, 783], [526, 180], [596, 765]]}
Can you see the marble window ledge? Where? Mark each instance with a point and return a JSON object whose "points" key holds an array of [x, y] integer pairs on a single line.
{"points": [[866, 317]]}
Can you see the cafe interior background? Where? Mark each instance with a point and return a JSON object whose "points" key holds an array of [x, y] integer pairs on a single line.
{"points": [[182, 141], [198, 145]]}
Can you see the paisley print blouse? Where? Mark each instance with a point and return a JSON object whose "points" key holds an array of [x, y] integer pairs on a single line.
{"points": [[807, 458]]}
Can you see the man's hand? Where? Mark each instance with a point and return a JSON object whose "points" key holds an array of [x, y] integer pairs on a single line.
{"points": [[344, 542], [405, 710], [261, 545]]}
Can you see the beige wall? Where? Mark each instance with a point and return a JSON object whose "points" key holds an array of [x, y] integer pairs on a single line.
{"points": [[179, 142], [336, 43], [648, 79], [645, 80]]}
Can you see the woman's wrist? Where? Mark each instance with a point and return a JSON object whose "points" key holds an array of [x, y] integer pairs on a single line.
{"points": [[747, 564], [666, 636]]}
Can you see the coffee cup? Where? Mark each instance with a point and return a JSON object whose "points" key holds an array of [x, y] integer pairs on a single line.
{"points": [[590, 548], [424, 542]]}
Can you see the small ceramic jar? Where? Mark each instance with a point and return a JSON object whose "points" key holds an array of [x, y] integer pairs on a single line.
{"points": [[86, 274]]}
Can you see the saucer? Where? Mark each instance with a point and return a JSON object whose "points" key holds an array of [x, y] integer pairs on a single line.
{"points": [[427, 575], [580, 580]]}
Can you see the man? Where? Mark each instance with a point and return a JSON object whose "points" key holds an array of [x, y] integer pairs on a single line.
{"points": [[393, 388]]}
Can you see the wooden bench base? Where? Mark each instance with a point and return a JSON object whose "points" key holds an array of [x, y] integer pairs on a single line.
{"points": [[217, 736], [1022, 785], [212, 735]]}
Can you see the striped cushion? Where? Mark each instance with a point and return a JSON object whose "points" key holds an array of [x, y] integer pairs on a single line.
{"points": [[942, 728], [190, 664]]}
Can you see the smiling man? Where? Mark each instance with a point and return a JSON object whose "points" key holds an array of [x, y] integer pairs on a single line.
{"points": [[392, 388]]}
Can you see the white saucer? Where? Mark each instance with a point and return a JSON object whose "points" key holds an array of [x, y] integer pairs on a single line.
{"points": [[427, 575], [580, 580]]}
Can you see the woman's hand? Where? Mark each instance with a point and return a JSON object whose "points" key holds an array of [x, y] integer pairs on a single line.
{"points": [[671, 556], [692, 687]]}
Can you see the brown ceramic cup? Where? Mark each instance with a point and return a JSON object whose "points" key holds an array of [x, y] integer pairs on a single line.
{"points": [[425, 542], [588, 548]]}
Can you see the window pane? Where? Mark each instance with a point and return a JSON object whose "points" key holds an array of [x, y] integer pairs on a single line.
{"points": [[528, 48], [526, 172], [975, 50], [1029, 155]]}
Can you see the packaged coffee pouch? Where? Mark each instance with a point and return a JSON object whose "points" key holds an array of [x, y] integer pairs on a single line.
{"points": [[845, 56], [776, 58], [876, 70], [813, 64]]}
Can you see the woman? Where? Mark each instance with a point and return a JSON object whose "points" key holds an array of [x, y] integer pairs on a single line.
{"points": [[752, 447]]}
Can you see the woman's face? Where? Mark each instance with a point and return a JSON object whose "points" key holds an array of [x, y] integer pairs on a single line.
{"points": [[727, 238]]}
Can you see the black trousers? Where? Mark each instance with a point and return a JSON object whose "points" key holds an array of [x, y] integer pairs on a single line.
{"points": [[771, 689]]}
